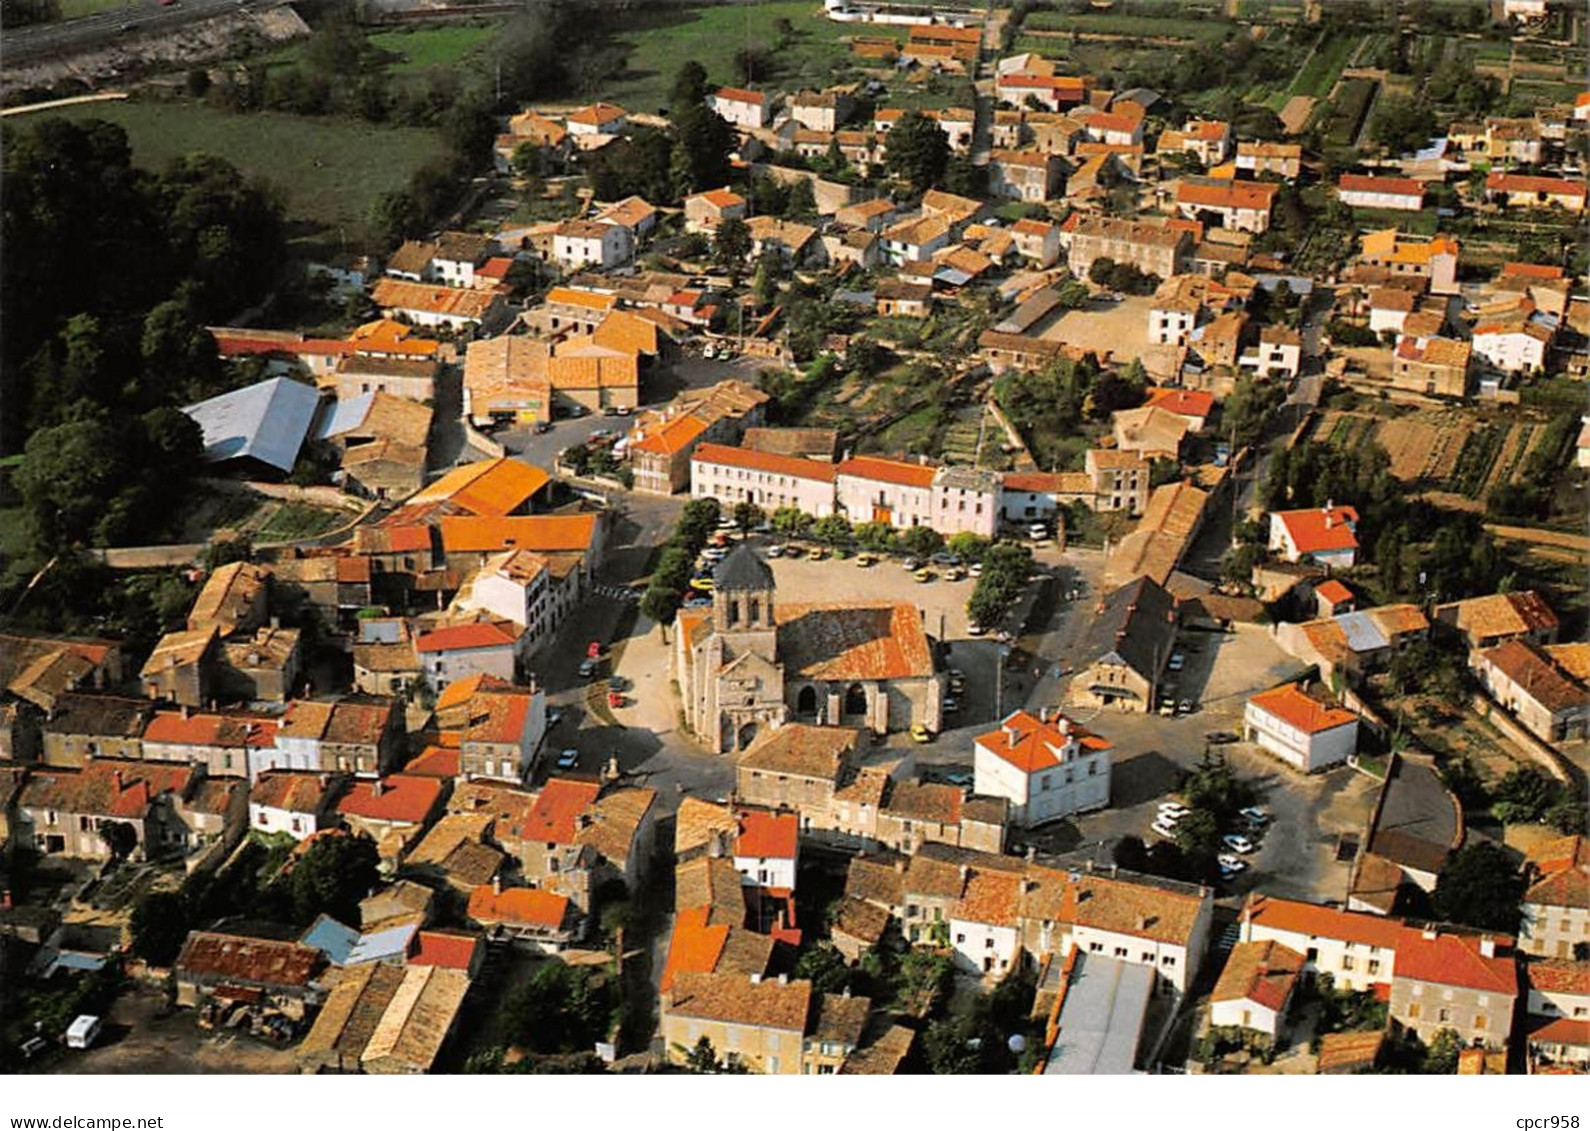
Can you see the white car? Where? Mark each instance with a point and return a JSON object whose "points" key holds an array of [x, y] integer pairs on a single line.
{"points": [[1255, 815], [554, 717], [1174, 810], [1177, 661], [1164, 829], [568, 759], [1230, 863], [1037, 532], [1238, 844]]}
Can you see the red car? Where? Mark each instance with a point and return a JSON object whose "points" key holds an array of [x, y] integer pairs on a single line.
{"points": [[614, 699], [593, 650]]}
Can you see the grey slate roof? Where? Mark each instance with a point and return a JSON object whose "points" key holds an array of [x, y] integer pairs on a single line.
{"points": [[1137, 622], [266, 421], [742, 569]]}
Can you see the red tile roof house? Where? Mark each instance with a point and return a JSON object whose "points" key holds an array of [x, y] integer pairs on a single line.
{"points": [[531, 918], [501, 731], [355, 735], [1397, 193], [64, 812], [1256, 987], [1358, 950], [455, 651], [1559, 1012], [1324, 534], [1046, 770], [1304, 732], [394, 811], [1452, 978], [575, 837], [299, 803]]}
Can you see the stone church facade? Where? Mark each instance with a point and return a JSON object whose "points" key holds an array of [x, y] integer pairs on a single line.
{"points": [[751, 664]]}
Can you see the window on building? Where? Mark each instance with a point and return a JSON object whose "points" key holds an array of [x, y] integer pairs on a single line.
{"points": [[1413, 1011], [1120, 952], [960, 938], [1347, 962]]}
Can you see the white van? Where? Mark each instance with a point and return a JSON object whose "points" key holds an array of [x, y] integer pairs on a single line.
{"points": [[83, 1032]]}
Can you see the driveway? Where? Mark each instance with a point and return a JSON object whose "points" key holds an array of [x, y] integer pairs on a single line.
{"points": [[143, 1037]]}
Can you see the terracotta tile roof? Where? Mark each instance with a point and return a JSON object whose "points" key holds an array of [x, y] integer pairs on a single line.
{"points": [[615, 822], [228, 596], [767, 836], [1559, 853], [451, 950], [765, 461], [455, 302], [1533, 671], [1145, 910], [1301, 711], [991, 898], [542, 533], [208, 729], [673, 437], [938, 802], [736, 94], [877, 880], [498, 717], [572, 296], [800, 750], [492, 487], [527, 906], [860, 920], [721, 198], [1561, 1031], [1455, 960], [1395, 186], [295, 791], [1261, 972], [888, 471], [735, 999], [1342, 1051], [1319, 529], [1030, 744], [462, 637], [1253, 195], [849, 641], [399, 798], [712, 882], [1518, 182], [1569, 887], [554, 819], [1036, 481], [1334, 591], [1183, 402], [694, 945], [597, 114], [1499, 614], [1559, 976], [215, 956], [107, 787], [435, 762], [1295, 917]]}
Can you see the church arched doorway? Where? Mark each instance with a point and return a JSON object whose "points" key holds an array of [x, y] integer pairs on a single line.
{"points": [[747, 735], [806, 701], [855, 700]]}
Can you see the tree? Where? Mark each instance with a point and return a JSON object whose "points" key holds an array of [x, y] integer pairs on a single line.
{"points": [[1198, 834], [1248, 409], [968, 547], [120, 837], [1524, 796], [918, 151], [791, 522], [922, 541], [748, 516], [826, 969], [1479, 887], [731, 245], [764, 286], [66, 475], [832, 529], [702, 144], [561, 1009], [1441, 1057], [332, 877], [689, 86], [875, 536], [159, 925], [660, 604], [703, 1060], [1214, 787]]}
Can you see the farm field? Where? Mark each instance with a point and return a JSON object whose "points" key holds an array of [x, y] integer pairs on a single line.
{"points": [[1324, 65], [419, 48], [1136, 27], [660, 41], [329, 171]]}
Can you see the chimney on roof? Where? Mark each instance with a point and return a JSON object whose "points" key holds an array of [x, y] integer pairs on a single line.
{"points": [[966, 873], [1032, 853], [756, 979], [1114, 867], [1487, 946], [496, 883], [276, 622], [1088, 865], [783, 979], [377, 787], [899, 865], [119, 785], [325, 781], [185, 711], [1430, 934]]}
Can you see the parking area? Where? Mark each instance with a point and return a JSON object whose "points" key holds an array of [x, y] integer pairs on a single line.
{"points": [[143, 1035]]}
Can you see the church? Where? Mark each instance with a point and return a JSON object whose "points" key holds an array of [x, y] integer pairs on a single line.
{"points": [[750, 664]]}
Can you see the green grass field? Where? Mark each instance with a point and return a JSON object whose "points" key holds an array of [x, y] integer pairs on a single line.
{"points": [[1112, 24], [328, 171], [1319, 74], [292, 521], [419, 48], [660, 42], [73, 9]]}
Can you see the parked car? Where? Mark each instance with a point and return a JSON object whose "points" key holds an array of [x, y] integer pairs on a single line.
{"points": [[952, 705], [1185, 707], [1230, 863], [775, 551], [593, 650], [83, 1032], [958, 779], [568, 759], [1255, 815], [1164, 829], [614, 699], [1237, 843], [1222, 737], [1177, 662], [554, 716], [945, 558], [954, 573], [975, 569], [923, 575], [911, 565], [816, 554], [701, 584], [542, 427], [975, 629], [1037, 532], [1175, 810], [920, 733], [865, 560], [588, 668]]}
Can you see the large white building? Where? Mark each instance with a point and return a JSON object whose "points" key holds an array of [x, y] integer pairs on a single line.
{"points": [[870, 489], [580, 244], [747, 109], [741, 475], [1358, 950], [533, 591], [1327, 535], [1300, 730], [1046, 770], [455, 651]]}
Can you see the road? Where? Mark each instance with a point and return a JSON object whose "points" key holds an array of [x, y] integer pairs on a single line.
{"points": [[132, 18]]}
